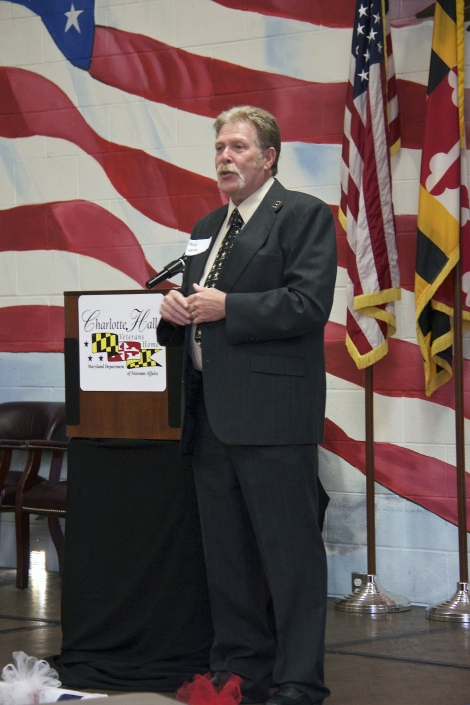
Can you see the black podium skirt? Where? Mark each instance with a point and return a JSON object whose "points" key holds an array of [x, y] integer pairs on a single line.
{"points": [[135, 609]]}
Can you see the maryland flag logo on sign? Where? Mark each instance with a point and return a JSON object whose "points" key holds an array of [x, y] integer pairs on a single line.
{"points": [[443, 198], [145, 360], [127, 351], [105, 342]]}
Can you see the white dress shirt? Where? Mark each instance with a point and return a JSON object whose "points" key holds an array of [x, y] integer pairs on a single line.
{"points": [[246, 209]]}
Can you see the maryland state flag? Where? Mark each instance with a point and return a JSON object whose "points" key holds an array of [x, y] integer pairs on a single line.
{"points": [[127, 351], [105, 342], [145, 359], [443, 199]]}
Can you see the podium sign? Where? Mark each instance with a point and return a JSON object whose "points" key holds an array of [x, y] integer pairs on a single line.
{"points": [[118, 347], [120, 383]]}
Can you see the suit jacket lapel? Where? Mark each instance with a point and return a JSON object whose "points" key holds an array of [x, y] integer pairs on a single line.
{"points": [[251, 238]]}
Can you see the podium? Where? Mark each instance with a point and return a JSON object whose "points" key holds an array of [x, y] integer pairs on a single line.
{"points": [[104, 413], [135, 607]]}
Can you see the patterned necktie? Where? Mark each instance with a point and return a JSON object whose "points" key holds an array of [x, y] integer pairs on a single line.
{"points": [[235, 225]]}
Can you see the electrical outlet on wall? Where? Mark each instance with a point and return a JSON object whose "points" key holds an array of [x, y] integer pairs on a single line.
{"points": [[357, 581]]}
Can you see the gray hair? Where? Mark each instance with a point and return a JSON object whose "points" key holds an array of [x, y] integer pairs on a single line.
{"points": [[267, 129]]}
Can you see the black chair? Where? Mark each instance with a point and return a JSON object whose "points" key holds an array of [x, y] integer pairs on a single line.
{"points": [[30, 429], [46, 497]]}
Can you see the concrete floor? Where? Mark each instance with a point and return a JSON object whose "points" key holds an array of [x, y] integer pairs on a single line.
{"points": [[390, 660]]}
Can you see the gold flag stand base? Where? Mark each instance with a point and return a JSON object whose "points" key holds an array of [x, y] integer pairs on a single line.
{"points": [[457, 609], [370, 599]]}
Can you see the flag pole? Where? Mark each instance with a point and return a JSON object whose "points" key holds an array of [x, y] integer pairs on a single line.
{"points": [[457, 608], [370, 472], [370, 598], [459, 423], [371, 133]]}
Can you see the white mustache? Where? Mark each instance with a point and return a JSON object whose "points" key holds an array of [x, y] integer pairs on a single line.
{"points": [[231, 169], [228, 169]]}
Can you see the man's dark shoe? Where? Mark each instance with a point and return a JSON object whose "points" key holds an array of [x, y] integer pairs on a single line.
{"points": [[250, 696], [288, 695], [219, 679]]}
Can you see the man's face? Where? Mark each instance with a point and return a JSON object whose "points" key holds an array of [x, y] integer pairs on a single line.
{"points": [[241, 167]]}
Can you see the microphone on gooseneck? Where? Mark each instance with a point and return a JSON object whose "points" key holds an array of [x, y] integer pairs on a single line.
{"points": [[169, 270]]}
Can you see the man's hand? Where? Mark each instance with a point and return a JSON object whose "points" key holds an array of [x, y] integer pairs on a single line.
{"points": [[174, 308], [206, 304]]}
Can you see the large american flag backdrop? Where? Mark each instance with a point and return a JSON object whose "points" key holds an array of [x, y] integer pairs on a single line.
{"points": [[106, 162]]}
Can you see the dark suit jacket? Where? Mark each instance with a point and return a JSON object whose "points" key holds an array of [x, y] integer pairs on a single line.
{"points": [[264, 368]]}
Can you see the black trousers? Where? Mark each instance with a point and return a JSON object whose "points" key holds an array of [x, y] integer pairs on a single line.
{"points": [[259, 516]]}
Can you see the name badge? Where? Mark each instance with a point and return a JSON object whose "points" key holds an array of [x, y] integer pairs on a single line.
{"points": [[195, 247]]}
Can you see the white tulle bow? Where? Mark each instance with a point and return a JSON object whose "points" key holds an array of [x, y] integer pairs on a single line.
{"points": [[30, 681]]}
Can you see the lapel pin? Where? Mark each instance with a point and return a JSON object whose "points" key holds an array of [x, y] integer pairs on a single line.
{"points": [[277, 205]]}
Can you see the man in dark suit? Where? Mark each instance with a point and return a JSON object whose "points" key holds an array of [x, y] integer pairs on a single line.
{"points": [[256, 295]]}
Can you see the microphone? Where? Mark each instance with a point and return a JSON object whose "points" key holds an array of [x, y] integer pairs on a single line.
{"points": [[169, 270]]}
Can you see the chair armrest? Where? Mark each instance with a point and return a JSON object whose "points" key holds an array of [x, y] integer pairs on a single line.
{"points": [[35, 450], [45, 445], [7, 444], [58, 448]]}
